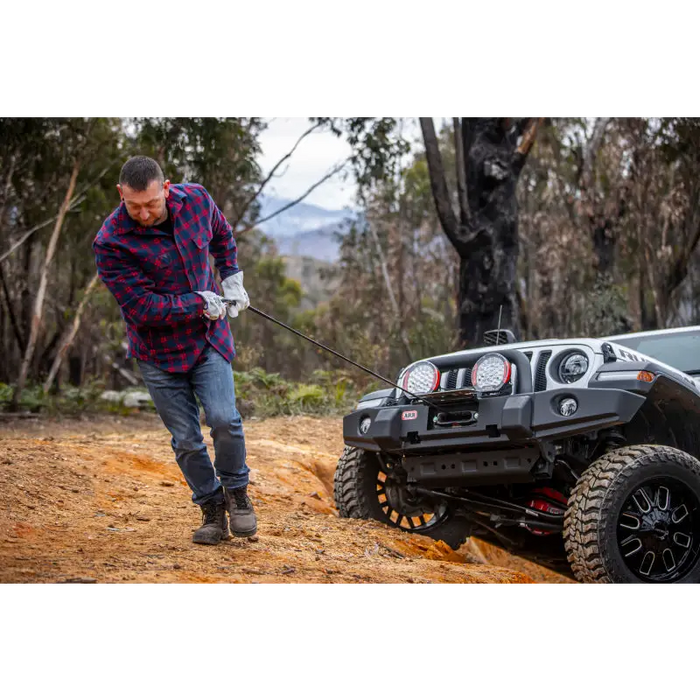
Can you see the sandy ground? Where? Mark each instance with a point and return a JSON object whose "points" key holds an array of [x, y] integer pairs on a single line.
{"points": [[102, 500]]}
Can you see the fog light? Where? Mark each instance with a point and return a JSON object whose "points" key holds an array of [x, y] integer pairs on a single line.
{"points": [[364, 425], [567, 407]]}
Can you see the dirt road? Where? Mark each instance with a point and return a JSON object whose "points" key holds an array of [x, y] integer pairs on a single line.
{"points": [[102, 500]]}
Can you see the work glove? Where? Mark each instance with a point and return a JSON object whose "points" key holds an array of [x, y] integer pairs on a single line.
{"points": [[233, 291], [214, 308]]}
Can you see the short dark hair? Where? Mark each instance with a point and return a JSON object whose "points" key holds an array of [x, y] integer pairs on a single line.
{"points": [[139, 172]]}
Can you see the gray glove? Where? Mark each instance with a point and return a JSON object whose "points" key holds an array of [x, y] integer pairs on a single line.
{"points": [[233, 290], [214, 308]]}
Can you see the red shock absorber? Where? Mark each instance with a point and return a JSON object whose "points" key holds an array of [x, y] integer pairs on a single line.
{"points": [[542, 501]]}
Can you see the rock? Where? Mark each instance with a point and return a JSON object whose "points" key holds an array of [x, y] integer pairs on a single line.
{"points": [[177, 566], [137, 399], [167, 483], [129, 399]]}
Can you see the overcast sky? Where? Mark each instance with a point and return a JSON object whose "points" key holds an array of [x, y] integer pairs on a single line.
{"points": [[317, 154]]}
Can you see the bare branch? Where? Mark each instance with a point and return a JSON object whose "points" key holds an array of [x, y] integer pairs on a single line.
{"points": [[78, 199], [529, 136], [679, 269], [390, 290], [70, 336], [327, 176], [8, 183], [271, 174], [460, 159], [438, 183], [590, 151], [527, 142], [13, 319], [36, 228], [39, 300]]}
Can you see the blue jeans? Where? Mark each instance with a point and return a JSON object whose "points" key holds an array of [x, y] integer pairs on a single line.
{"points": [[173, 394]]}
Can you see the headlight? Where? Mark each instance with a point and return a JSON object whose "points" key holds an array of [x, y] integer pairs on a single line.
{"points": [[491, 372], [573, 367], [421, 378]]}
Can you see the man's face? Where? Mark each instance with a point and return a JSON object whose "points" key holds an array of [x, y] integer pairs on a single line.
{"points": [[147, 207]]}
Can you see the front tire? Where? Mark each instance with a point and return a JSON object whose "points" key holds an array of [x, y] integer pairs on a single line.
{"points": [[634, 516], [366, 487]]}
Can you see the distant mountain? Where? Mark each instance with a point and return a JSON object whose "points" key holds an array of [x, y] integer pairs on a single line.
{"points": [[300, 217], [322, 244], [305, 229]]}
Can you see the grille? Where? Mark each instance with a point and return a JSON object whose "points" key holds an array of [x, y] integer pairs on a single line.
{"points": [[467, 381], [459, 378], [540, 374], [451, 382]]}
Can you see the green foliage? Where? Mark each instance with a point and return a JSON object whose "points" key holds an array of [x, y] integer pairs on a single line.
{"points": [[266, 394], [220, 154], [70, 401], [377, 147]]}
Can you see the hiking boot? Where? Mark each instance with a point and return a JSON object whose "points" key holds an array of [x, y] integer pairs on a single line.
{"points": [[214, 527], [242, 520]]}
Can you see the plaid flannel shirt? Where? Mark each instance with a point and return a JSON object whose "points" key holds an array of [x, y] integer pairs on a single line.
{"points": [[153, 276]]}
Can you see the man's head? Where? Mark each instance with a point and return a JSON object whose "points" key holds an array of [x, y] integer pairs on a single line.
{"points": [[144, 190]]}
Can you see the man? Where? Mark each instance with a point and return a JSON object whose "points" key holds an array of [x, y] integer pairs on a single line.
{"points": [[152, 253]]}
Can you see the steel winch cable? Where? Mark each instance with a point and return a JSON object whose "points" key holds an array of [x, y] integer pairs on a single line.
{"points": [[229, 302]]}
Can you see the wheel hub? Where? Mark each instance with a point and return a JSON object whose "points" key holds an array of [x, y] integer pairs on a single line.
{"points": [[404, 508], [658, 530]]}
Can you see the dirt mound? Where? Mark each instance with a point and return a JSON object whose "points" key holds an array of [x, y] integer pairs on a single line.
{"points": [[103, 500]]}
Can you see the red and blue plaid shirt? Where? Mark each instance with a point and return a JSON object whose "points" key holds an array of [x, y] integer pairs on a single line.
{"points": [[153, 276]]}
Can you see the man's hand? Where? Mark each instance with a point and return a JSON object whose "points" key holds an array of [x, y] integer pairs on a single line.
{"points": [[214, 308], [233, 291]]}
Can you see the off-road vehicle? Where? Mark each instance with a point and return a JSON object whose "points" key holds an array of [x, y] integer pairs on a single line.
{"points": [[579, 454]]}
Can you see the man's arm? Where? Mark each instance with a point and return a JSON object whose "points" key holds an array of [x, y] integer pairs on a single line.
{"points": [[134, 291], [223, 244]]}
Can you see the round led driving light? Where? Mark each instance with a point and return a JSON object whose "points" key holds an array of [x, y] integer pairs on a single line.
{"points": [[364, 425], [573, 367], [567, 407], [421, 378], [491, 372]]}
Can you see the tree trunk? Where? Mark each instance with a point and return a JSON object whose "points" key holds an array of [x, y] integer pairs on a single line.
{"points": [[10, 312], [4, 349], [396, 313], [75, 370], [70, 336], [485, 233], [39, 301]]}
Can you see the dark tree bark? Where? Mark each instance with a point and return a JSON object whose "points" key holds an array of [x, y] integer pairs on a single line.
{"points": [[485, 232]]}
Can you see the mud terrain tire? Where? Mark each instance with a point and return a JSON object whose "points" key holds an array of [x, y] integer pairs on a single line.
{"points": [[636, 504]]}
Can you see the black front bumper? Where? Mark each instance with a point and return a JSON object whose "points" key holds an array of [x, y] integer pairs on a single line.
{"points": [[503, 422]]}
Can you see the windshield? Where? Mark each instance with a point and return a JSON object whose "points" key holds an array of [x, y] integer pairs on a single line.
{"points": [[680, 350]]}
